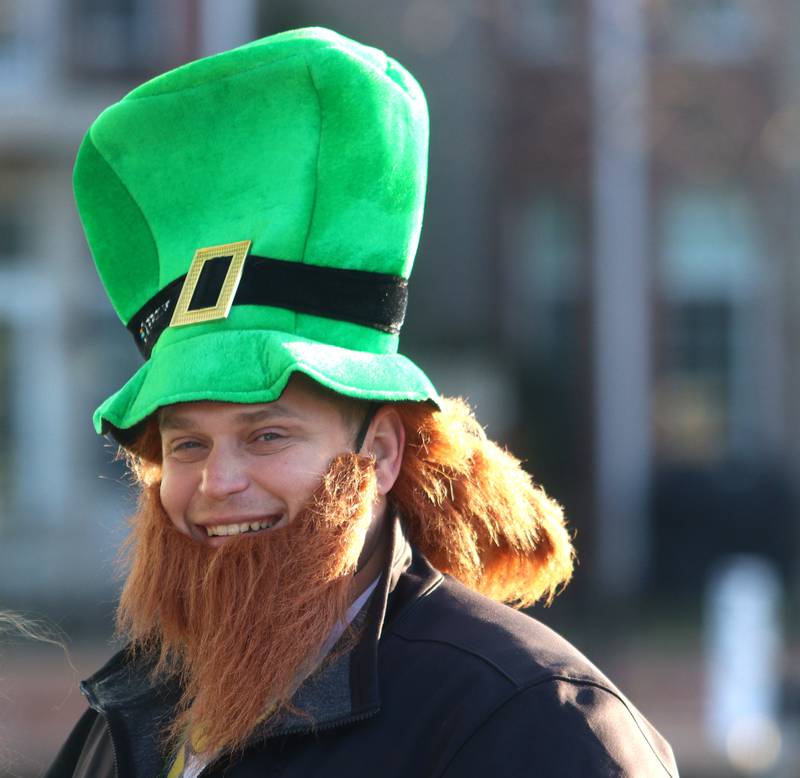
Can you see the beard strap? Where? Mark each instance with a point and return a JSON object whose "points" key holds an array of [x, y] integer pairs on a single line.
{"points": [[364, 428]]}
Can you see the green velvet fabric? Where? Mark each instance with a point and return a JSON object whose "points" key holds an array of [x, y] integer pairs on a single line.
{"points": [[309, 144]]}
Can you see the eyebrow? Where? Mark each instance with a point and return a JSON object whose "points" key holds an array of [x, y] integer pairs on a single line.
{"points": [[173, 421]]}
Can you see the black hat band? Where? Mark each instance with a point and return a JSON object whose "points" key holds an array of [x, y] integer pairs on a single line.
{"points": [[376, 300]]}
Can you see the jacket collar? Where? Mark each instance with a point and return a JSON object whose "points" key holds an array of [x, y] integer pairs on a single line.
{"points": [[344, 690]]}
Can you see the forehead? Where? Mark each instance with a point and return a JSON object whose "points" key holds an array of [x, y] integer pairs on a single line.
{"points": [[301, 400]]}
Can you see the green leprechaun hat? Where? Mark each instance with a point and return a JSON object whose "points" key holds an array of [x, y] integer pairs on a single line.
{"points": [[256, 213]]}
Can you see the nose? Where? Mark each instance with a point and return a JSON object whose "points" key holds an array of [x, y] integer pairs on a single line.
{"points": [[224, 474]]}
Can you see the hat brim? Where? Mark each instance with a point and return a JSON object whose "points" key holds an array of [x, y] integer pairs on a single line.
{"points": [[254, 366]]}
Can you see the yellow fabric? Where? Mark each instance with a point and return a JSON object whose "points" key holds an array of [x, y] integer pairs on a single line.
{"points": [[195, 746], [177, 766]]}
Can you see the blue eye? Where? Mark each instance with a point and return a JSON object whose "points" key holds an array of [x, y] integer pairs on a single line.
{"points": [[185, 444], [268, 437], [184, 450]]}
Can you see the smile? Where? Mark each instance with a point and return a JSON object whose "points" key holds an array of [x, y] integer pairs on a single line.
{"points": [[215, 530]]}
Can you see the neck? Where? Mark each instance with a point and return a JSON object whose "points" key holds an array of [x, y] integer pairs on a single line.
{"points": [[370, 560]]}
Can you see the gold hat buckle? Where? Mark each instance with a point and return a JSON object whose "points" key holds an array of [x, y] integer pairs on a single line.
{"points": [[237, 253]]}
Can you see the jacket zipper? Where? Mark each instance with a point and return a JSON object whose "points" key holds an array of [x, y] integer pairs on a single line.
{"points": [[113, 749], [93, 704]]}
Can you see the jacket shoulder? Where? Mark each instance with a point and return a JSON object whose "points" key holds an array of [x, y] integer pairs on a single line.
{"points": [[514, 645], [566, 729], [528, 688]]}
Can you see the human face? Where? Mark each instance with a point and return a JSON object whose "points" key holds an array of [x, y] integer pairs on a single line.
{"points": [[226, 465]]}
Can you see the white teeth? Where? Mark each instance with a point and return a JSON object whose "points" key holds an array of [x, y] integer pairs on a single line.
{"points": [[238, 529]]}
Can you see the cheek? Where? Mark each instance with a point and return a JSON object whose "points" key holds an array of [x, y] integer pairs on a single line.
{"points": [[174, 499], [296, 479]]}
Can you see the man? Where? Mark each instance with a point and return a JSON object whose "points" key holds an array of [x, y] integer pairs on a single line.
{"points": [[254, 217]]}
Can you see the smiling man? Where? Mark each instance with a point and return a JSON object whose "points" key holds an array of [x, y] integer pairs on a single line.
{"points": [[322, 545]]}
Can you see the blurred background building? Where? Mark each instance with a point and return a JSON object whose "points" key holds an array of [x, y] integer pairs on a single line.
{"points": [[608, 270]]}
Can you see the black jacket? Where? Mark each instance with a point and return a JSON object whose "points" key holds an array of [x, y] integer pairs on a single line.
{"points": [[444, 684]]}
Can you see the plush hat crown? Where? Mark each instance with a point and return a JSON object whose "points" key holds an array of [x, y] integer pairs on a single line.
{"points": [[307, 145]]}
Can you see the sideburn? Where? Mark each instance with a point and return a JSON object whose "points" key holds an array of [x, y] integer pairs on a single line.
{"points": [[242, 625]]}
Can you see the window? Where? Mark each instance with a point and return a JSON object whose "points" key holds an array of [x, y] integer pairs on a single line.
{"points": [[709, 243], [8, 27], [127, 38], [545, 252], [708, 276], [12, 42], [544, 310], [104, 36], [713, 31], [12, 224], [5, 426], [103, 358], [29, 32], [540, 32]]}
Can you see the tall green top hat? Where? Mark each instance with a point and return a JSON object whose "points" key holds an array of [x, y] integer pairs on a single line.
{"points": [[257, 213]]}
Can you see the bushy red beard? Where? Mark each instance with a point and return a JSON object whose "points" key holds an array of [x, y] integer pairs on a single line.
{"points": [[241, 625]]}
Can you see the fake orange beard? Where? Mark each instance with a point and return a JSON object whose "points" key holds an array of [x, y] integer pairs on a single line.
{"points": [[243, 624]]}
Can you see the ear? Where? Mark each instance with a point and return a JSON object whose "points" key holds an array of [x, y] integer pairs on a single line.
{"points": [[386, 441]]}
